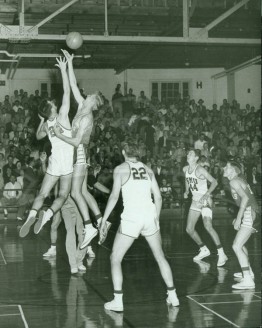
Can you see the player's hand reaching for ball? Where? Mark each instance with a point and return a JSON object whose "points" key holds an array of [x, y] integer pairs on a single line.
{"points": [[67, 55], [61, 63]]}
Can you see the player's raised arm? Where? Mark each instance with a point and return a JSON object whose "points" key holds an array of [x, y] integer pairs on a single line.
{"points": [[72, 78], [64, 109], [41, 130]]}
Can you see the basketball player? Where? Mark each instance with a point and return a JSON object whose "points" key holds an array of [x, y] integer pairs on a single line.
{"points": [[60, 165], [140, 216], [82, 127], [196, 180], [245, 223]]}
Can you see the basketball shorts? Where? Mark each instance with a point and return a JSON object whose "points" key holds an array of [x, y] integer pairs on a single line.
{"points": [[249, 219], [145, 225], [204, 209], [60, 162], [80, 155]]}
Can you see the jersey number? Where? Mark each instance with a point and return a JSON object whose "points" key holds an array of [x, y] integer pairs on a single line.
{"points": [[139, 174]]}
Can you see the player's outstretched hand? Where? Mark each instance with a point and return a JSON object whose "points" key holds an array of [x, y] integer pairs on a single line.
{"points": [[67, 55], [61, 63]]}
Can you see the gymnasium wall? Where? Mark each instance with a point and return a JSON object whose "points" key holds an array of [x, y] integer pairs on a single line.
{"points": [[201, 83]]}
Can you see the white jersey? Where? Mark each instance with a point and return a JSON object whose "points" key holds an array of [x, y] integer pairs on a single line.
{"points": [[61, 159], [197, 185], [136, 192]]}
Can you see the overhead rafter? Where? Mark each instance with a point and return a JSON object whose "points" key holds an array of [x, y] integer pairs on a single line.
{"points": [[219, 19], [247, 63]]}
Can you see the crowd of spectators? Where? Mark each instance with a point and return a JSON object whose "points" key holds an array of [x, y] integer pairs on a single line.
{"points": [[163, 130]]}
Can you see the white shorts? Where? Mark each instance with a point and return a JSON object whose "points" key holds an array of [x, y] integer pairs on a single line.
{"points": [[60, 162], [146, 225], [248, 218], [80, 155], [204, 209]]}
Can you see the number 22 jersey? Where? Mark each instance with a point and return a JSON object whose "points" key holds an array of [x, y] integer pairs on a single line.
{"points": [[136, 193]]}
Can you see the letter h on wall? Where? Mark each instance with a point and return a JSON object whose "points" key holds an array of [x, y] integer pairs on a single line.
{"points": [[199, 85]]}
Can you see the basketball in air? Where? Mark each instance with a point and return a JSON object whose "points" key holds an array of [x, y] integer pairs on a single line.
{"points": [[74, 40]]}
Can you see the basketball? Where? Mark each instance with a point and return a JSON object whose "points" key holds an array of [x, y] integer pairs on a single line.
{"points": [[74, 40]]}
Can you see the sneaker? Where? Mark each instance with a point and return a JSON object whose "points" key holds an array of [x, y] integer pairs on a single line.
{"points": [[89, 261], [90, 233], [74, 270], [239, 275], [203, 266], [172, 298], [203, 252], [103, 238], [50, 253], [42, 220], [26, 226], [245, 283], [82, 268], [114, 306], [90, 253], [221, 260]]}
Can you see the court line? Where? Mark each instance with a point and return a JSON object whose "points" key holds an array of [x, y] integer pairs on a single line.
{"points": [[10, 314], [233, 302], [214, 312], [23, 316], [3, 255], [213, 294], [257, 296]]}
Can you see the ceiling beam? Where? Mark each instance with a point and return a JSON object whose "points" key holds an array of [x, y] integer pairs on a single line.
{"points": [[247, 63], [185, 18], [219, 19], [130, 39], [57, 12]]}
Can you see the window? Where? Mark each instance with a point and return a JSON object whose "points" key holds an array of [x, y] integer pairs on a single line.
{"points": [[170, 91]]}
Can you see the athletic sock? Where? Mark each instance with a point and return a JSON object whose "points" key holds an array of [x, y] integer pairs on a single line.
{"points": [[49, 213], [118, 295], [53, 246], [246, 271], [97, 217], [32, 213], [220, 250]]}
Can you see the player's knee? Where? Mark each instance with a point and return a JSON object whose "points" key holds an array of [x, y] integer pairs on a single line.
{"points": [[114, 258], [75, 193], [189, 230], [236, 247]]}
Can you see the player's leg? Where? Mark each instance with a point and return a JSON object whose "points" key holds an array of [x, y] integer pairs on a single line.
{"points": [[207, 221], [48, 183], [155, 244], [239, 274], [241, 238], [193, 216], [64, 189], [121, 245], [53, 235]]}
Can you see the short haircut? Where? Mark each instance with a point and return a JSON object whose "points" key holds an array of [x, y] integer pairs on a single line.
{"points": [[236, 165], [44, 108], [196, 151], [131, 149]]}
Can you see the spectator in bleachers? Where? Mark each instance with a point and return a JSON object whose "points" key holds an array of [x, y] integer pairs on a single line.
{"points": [[11, 194], [199, 144], [9, 165], [254, 180], [117, 99]]}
